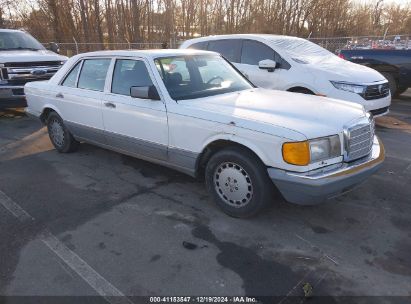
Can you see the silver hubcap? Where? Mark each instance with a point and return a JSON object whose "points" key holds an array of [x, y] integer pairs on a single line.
{"points": [[233, 184], [57, 133]]}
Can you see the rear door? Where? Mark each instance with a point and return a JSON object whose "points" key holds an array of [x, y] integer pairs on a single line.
{"points": [[137, 126], [79, 98]]}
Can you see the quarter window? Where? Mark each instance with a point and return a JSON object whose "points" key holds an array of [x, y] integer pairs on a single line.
{"points": [[93, 74], [129, 73], [71, 78]]}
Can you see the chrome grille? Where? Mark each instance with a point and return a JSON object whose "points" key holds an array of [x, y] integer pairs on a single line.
{"points": [[359, 141], [376, 91], [23, 72]]}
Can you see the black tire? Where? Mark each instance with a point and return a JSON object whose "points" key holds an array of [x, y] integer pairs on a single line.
{"points": [[248, 195], [60, 136], [392, 83]]}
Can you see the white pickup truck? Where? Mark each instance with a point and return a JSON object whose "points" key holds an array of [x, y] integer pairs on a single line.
{"points": [[23, 59], [211, 122]]}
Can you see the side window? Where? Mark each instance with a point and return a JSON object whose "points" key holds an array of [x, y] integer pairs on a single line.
{"points": [[71, 78], [229, 48], [253, 52], [199, 46], [93, 74], [129, 73]]}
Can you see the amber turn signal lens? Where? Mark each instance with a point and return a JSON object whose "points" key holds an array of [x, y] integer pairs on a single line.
{"points": [[297, 153]]}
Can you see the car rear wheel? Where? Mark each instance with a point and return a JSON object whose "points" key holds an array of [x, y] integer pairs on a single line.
{"points": [[60, 136], [238, 182]]}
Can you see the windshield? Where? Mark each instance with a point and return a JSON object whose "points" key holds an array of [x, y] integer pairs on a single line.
{"points": [[18, 41], [196, 76], [302, 51]]}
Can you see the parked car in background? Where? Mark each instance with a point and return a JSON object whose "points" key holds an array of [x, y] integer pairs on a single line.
{"points": [[298, 65], [23, 59], [209, 122], [395, 65]]}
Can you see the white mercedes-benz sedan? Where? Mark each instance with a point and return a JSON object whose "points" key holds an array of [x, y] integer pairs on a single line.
{"points": [[207, 119]]}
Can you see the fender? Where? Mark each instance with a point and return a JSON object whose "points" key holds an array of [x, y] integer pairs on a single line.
{"points": [[303, 85], [238, 140], [52, 107]]}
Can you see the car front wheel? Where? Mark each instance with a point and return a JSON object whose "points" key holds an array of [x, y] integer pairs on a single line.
{"points": [[238, 182], [60, 136]]}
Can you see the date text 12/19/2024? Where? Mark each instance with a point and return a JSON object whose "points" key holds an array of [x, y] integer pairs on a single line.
{"points": [[240, 299]]}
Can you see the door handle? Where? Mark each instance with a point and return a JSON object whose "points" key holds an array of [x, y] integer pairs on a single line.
{"points": [[110, 105], [60, 95]]}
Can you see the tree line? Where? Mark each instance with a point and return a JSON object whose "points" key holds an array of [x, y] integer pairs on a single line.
{"points": [[114, 21]]}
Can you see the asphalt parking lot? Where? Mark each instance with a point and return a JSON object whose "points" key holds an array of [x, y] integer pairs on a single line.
{"points": [[98, 223]]}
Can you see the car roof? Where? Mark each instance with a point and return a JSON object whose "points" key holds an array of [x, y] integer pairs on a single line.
{"points": [[155, 53], [269, 37]]}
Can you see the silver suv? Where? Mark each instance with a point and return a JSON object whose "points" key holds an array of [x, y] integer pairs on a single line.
{"points": [[23, 59]]}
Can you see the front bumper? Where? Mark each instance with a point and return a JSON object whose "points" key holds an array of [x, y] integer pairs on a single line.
{"points": [[12, 97], [316, 186], [379, 106]]}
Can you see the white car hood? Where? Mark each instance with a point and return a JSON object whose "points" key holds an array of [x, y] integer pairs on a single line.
{"points": [[29, 56], [311, 116], [338, 69]]}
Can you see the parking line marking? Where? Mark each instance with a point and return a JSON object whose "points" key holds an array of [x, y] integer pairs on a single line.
{"points": [[14, 209], [96, 281]]}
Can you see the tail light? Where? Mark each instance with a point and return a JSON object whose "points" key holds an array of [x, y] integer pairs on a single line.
{"points": [[341, 56]]}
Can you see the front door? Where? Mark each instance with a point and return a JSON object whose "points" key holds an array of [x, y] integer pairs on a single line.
{"points": [[137, 126], [252, 53]]}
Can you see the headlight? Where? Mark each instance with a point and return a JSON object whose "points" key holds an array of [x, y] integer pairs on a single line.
{"points": [[306, 152], [349, 87], [2, 81]]}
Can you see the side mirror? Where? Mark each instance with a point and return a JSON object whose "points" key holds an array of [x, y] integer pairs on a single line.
{"points": [[267, 64], [146, 92], [54, 47]]}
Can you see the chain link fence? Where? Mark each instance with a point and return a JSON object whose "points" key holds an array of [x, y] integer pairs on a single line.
{"points": [[71, 49], [335, 44]]}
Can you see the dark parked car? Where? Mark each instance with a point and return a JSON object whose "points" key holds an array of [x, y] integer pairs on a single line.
{"points": [[395, 65]]}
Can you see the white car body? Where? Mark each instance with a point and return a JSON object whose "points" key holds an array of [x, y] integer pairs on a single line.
{"points": [[177, 133], [20, 65], [308, 66]]}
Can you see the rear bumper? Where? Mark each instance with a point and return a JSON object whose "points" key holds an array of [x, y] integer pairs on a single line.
{"points": [[316, 186], [12, 97]]}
